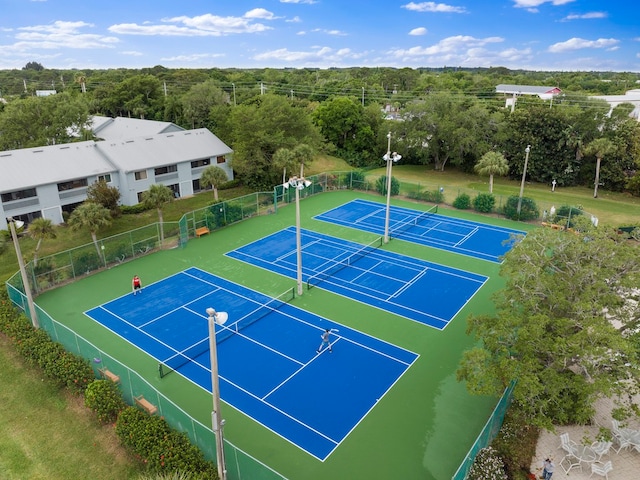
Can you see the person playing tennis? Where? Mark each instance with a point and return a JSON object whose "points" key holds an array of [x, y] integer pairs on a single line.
{"points": [[136, 284], [325, 340]]}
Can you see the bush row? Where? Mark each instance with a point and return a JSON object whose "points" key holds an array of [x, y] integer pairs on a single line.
{"points": [[63, 368], [149, 438]]}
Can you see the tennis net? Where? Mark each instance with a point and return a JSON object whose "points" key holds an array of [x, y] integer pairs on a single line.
{"points": [[180, 359], [338, 265], [414, 221], [259, 313]]}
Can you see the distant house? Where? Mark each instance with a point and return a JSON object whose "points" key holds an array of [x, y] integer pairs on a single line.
{"points": [[512, 92], [631, 96], [45, 93], [47, 181]]}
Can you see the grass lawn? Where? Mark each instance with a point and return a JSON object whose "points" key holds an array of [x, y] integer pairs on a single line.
{"points": [[48, 434]]}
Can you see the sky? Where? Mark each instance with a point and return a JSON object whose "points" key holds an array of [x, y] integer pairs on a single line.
{"points": [[540, 35]]}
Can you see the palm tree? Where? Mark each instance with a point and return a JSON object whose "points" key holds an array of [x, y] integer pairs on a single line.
{"points": [[599, 147], [40, 229], [214, 176], [92, 217], [156, 197], [492, 163]]}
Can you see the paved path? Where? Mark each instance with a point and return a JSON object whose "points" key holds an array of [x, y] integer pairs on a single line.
{"points": [[626, 463]]}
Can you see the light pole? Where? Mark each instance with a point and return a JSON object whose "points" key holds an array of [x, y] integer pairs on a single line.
{"points": [[216, 417], [524, 174], [299, 183], [23, 272], [390, 158]]}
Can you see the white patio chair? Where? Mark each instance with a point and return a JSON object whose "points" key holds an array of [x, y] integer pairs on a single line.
{"points": [[601, 448], [567, 444], [601, 469], [625, 437]]}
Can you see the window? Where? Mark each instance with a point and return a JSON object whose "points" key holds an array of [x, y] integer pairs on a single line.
{"points": [[72, 184], [201, 163], [221, 159], [141, 175], [140, 197], [167, 169], [19, 195], [105, 178]]}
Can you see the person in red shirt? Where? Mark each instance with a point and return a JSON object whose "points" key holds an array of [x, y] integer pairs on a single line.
{"points": [[136, 284]]}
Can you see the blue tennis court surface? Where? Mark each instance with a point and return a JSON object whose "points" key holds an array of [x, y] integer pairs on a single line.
{"points": [[416, 289], [269, 368], [455, 235]]}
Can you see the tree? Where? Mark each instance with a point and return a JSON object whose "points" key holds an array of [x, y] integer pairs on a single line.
{"points": [[294, 159], [33, 66], [565, 328], [40, 229], [262, 127], [39, 121], [156, 197], [93, 217], [199, 100], [213, 176], [344, 124], [492, 163], [101, 193], [599, 148]]}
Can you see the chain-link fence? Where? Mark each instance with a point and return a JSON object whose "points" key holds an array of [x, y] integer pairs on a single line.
{"points": [[488, 433]]}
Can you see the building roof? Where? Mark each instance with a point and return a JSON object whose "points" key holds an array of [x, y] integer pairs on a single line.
{"points": [[140, 153], [527, 90], [122, 127], [30, 167]]}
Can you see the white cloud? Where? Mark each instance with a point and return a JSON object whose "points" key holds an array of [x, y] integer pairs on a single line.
{"points": [[60, 35], [418, 31], [533, 4], [199, 26], [132, 53], [580, 43], [329, 32], [295, 19], [191, 58], [308, 2], [433, 7], [464, 51], [585, 16], [316, 55], [260, 13]]}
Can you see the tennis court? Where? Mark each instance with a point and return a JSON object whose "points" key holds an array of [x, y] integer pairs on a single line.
{"points": [[268, 365], [465, 237], [413, 288]]}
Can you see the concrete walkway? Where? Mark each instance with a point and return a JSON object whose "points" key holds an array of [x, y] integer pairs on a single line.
{"points": [[626, 463]]}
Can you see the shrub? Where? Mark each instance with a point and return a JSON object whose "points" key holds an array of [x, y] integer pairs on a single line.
{"points": [[462, 202], [158, 446], [435, 196], [381, 186], [358, 181], [528, 209], [85, 261], [516, 443], [487, 466], [133, 209], [484, 202], [104, 398]]}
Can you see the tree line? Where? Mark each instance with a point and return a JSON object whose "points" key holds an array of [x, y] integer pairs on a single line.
{"points": [[436, 118]]}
